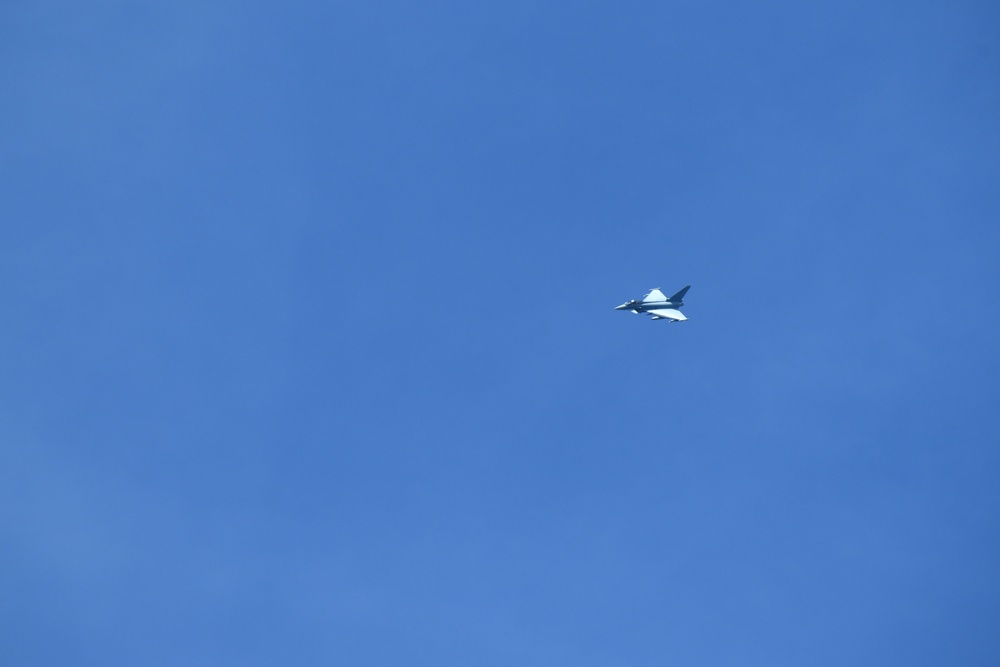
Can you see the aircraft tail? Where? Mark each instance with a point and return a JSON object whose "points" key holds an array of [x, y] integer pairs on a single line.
{"points": [[680, 295]]}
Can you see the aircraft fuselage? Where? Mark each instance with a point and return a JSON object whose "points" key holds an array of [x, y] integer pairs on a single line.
{"points": [[643, 306]]}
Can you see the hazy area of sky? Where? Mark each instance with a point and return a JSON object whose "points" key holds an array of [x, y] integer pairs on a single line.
{"points": [[307, 349]]}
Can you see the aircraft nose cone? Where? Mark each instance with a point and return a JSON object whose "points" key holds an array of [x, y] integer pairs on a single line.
{"points": [[621, 307]]}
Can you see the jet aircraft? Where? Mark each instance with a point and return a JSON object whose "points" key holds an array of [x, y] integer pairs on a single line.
{"points": [[658, 305]]}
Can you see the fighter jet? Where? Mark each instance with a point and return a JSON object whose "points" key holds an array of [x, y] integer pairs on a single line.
{"points": [[659, 306]]}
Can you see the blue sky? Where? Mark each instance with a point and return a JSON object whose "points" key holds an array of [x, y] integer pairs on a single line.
{"points": [[308, 353]]}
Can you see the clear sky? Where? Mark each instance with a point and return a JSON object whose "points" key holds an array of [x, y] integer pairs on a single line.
{"points": [[308, 356]]}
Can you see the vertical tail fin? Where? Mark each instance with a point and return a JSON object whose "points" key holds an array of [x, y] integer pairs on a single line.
{"points": [[680, 295]]}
